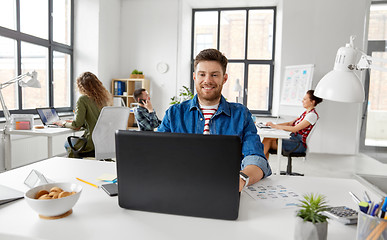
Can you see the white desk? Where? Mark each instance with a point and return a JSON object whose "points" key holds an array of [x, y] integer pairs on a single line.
{"points": [[98, 216], [46, 132], [275, 133]]}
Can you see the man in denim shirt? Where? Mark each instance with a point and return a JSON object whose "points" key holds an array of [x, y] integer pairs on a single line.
{"points": [[209, 113]]}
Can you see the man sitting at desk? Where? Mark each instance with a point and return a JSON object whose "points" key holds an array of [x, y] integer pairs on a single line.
{"points": [[209, 113]]}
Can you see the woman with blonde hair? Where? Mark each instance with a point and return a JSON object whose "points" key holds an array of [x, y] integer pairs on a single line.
{"points": [[94, 97]]}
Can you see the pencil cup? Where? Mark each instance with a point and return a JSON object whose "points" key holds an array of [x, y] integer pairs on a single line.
{"points": [[371, 228]]}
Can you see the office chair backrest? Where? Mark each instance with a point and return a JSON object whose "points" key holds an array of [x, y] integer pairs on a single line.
{"points": [[309, 136], [110, 119]]}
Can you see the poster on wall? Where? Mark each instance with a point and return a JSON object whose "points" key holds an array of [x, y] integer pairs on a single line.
{"points": [[297, 80]]}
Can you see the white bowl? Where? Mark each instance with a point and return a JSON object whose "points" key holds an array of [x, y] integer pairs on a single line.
{"points": [[53, 207]]}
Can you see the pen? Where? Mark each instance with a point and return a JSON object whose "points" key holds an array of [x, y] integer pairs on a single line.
{"points": [[356, 199], [371, 206], [88, 183], [375, 209], [367, 197]]}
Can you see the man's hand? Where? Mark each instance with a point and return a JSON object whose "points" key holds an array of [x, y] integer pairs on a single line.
{"points": [[255, 174], [148, 105]]}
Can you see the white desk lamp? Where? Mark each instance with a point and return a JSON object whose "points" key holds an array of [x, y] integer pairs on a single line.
{"points": [[23, 81], [342, 84], [238, 88]]}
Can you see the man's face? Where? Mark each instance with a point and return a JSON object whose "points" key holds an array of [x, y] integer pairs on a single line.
{"points": [[144, 96], [209, 79]]}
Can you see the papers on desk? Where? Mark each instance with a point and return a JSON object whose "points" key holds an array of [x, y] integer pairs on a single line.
{"points": [[275, 195], [107, 177], [9, 194]]}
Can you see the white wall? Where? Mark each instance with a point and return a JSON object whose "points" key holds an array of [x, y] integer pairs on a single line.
{"points": [[109, 41], [97, 39], [86, 36], [149, 35]]}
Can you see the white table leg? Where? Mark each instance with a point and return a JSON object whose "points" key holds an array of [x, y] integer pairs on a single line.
{"points": [[279, 152], [7, 151], [49, 146]]}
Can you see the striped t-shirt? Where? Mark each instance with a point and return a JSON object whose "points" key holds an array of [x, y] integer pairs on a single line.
{"points": [[208, 112]]}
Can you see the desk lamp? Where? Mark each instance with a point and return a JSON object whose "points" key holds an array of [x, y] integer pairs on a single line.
{"points": [[25, 80], [342, 84], [238, 88]]}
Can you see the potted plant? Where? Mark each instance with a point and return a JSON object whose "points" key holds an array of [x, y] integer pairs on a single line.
{"points": [[310, 222], [185, 94], [137, 74]]}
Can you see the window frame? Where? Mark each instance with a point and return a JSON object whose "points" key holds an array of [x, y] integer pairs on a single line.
{"points": [[51, 46], [245, 61]]}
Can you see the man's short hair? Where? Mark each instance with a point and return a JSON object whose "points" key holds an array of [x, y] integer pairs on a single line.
{"points": [[211, 54], [137, 93]]}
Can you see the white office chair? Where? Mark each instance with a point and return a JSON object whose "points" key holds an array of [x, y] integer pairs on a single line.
{"points": [[109, 120]]}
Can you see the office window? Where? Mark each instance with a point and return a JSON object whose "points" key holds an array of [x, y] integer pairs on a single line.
{"points": [[246, 37], [37, 36], [8, 14], [34, 17], [61, 83], [35, 57], [8, 70]]}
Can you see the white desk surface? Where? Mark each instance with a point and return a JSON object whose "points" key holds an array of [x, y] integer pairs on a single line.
{"points": [[41, 132], [273, 133], [98, 216]]}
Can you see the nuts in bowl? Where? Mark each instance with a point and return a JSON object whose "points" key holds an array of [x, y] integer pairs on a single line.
{"points": [[53, 199]]}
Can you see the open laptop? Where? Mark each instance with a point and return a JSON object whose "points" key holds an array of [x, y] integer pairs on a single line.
{"points": [[48, 116], [175, 173]]}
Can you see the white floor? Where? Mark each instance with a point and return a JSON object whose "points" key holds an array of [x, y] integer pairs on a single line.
{"points": [[335, 166]]}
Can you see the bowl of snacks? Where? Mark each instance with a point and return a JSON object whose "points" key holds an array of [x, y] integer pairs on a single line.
{"points": [[53, 200]]}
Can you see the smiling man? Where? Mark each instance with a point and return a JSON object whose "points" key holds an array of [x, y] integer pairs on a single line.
{"points": [[209, 113]]}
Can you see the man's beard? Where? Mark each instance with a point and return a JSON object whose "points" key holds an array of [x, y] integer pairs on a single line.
{"points": [[214, 95]]}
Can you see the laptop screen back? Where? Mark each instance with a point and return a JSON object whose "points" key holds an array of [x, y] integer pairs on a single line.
{"points": [[183, 174], [48, 115]]}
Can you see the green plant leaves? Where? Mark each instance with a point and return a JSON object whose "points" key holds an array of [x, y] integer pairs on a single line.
{"points": [[135, 71], [184, 94], [311, 208]]}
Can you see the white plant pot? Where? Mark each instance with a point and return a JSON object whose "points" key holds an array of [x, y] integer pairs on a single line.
{"points": [[309, 231]]}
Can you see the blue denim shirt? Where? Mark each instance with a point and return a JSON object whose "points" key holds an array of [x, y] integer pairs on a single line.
{"points": [[229, 119]]}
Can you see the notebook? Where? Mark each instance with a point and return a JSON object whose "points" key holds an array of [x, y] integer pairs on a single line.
{"points": [[48, 116], [184, 174]]}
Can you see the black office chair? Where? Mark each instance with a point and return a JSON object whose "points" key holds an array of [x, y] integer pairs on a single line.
{"points": [[289, 155], [78, 153]]}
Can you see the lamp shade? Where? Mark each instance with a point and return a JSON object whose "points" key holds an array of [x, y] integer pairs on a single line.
{"points": [[342, 84], [32, 81]]}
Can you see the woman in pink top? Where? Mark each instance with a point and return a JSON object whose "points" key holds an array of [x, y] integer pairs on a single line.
{"points": [[300, 127]]}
